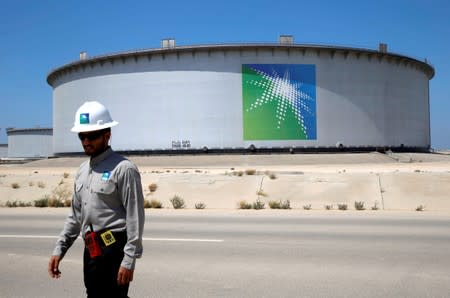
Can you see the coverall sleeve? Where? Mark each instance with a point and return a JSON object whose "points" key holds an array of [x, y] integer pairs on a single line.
{"points": [[133, 201], [72, 227]]}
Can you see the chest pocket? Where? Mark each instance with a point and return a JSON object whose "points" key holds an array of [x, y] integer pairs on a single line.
{"points": [[105, 188]]}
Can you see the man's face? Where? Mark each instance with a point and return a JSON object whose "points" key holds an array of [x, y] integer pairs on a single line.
{"points": [[94, 142]]}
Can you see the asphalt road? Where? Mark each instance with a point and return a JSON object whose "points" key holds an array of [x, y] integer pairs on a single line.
{"points": [[247, 254]]}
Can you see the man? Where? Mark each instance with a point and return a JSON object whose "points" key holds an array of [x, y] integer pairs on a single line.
{"points": [[107, 208]]}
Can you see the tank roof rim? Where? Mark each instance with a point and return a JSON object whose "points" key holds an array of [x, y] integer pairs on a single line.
{"points": [[231, 46]]}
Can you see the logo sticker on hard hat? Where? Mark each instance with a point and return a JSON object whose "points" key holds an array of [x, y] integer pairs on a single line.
{"points": [[84, 118]]}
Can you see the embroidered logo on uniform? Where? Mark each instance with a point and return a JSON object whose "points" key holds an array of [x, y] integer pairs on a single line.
{"points": [[84, 118], [106, 175]]}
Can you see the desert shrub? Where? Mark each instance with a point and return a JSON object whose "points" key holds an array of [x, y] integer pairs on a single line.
{"points": [[280, 204], [200, 205], [238, 173], [275, 204], [60, 197], [177, 202], [12, 204], [52, 202], [244, 205], [147, 204], [152, 204], [342, 206], [258, 204], [155, 204], [43, 202], [307, 207], [359, 205], [66, 175], [420, 208], [41, 184], [285, 205], [328, 207], [375, 206], [152, 187], [31, 183], [61, 193], [250, 172], [15, 185], [272, 176]]}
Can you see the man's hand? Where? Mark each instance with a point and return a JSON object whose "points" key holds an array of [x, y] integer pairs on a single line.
{"points": [[125, 276], [53, 267]]}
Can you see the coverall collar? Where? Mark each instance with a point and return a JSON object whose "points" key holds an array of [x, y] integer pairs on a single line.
{"points": [[99, 158]]}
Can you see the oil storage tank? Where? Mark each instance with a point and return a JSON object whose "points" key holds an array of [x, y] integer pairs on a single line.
{"points": [[30, 142], [238, 96]]}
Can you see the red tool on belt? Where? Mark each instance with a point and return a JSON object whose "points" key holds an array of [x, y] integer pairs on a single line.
{"points": [[92, 243]]}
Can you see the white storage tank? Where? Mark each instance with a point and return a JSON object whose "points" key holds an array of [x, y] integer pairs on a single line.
{"points": [[30, 142], [3, 150], [240, 96]]}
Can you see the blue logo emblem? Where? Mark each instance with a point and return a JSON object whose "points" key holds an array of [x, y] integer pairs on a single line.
{"points": [[106, 175], [84, 118]]}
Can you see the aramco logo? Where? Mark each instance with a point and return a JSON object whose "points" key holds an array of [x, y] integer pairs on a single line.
{"points": [[279, 101]]}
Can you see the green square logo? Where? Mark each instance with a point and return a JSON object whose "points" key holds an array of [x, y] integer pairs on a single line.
{"points": [[279, 101], [84, 118]]}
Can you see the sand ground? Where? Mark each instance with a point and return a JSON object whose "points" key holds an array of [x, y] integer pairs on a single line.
{"points": [[394, 181]]}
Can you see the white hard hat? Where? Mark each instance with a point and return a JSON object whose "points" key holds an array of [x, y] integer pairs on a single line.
{"points": [[91, 116]]}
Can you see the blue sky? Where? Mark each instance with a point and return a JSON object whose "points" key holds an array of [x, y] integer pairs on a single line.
{"points": [[38, 36]]}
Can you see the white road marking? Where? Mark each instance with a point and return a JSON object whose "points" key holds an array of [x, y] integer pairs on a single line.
{"points": [[144, 239], [29, 236], [183, 239]]}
